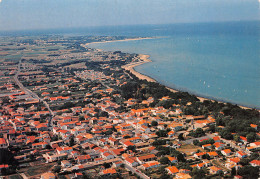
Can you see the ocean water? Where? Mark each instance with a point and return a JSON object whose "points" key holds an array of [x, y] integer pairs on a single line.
{"points": [[215, 60]]}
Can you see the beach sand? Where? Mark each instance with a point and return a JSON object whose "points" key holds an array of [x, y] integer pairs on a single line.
{"points": [[141, 38], [142, 60]]}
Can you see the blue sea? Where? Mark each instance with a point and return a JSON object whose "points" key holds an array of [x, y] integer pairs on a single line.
{"points": [[216, 60]]}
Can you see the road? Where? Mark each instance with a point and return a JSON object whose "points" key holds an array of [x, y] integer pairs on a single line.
{"points": [[233, 145], [133, 170], [32, 94]]}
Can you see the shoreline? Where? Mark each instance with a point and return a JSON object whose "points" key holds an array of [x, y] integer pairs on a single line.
{"points": [[123, 40], [145, 59]]}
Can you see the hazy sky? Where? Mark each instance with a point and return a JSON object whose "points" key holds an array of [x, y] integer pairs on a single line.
{"points": [[46, 14]]}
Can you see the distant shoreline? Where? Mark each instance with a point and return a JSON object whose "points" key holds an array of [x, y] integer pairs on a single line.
{"points": [[145, 59], [129, 39]]}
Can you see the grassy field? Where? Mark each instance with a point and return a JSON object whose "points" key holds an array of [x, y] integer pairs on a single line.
{"points": [[37, 170], [188, 149], [219, 164], [17, 176]]}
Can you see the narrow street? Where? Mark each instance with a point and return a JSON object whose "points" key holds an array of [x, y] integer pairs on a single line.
{"points": [[30, 93]]}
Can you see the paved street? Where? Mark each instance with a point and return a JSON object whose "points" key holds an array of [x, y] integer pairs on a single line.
{"points": [[133, 170], [30, 93]]}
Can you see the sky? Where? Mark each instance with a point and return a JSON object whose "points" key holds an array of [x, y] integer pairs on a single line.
{"points": [[50, 14]]}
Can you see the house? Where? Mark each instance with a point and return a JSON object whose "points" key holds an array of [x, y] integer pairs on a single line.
{"points": [[255, 163], [176, 126], [112, 141], [48, 175], [61, 150], [108, 155], [243, 139], [150, 165], [54, 157], [214, 170], [65, 163], [78, 175], [226, 152], [2, 166], [230, 165], [206, 146], [102, 142], [236, 160], [146, 158], [255, 145], [131, 161], [173, 159], [201, 165], [183, 176], [171, 134], [212, 154], [118, 164], [135, 140], [172, 170], [109, 171], [253, 126], [216, 139], [199, 155], [41, 127], [3, 143], [219, 145], [241, 154], [127, 144], [84, 158], [40, 145]]}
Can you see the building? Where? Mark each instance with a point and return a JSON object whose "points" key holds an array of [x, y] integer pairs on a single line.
{"points": [[48, 175], [172, 170], [3, 143]]}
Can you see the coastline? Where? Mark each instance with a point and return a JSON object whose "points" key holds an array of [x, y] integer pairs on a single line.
{"points": [[123, 40], [145, 59]]}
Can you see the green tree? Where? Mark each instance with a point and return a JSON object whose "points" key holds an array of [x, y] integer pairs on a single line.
{"points": [[249, 172], [164, 160], [196, 142], [198, 173], [154, 123], [251, 137], [56, 169], [180, 158], [236, 138], [180, 137], [233, 171], [162, 133], [72, 142]]}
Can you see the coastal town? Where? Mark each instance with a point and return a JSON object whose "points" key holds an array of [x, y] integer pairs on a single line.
{"points": [[71, 111]]}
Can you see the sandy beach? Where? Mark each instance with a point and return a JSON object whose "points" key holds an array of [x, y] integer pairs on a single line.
{"points": [[143, 59], [130, 39]]}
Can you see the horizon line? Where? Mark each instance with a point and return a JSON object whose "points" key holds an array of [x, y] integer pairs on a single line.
{"points": [[121, 25]]}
